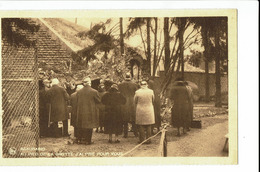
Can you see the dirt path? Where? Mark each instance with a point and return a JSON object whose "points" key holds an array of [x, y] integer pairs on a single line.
{"points": [[208, 141]]}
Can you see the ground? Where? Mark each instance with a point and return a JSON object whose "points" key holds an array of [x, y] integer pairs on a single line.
{"points": [[207, 141]]}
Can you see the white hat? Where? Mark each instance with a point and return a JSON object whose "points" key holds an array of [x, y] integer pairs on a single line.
{"points": [[55, 81], [79, 87]]}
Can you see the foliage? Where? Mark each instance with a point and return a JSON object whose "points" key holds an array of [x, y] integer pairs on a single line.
{"points": [[14, 31], [103, 40], [112, 68], [196, 58], [134, 25]]}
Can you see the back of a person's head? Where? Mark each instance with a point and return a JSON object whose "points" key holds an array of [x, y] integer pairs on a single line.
{"points": [[79, 87], [55, 81], [113, 88], [101, 88], [143, 84], [86, 81]]}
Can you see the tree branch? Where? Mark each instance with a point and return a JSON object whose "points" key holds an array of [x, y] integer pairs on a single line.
{"points": [[143, 41]]}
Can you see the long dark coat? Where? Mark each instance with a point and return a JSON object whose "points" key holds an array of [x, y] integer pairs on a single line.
{"points": [[181, 108], [157, 103], [191, 101], [73, 101], [57, 97], [102, 109], [113, 122], [127, 89], [87, 109]]}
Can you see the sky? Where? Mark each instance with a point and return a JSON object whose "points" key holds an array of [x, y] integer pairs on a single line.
{"points": [[135, 40]]}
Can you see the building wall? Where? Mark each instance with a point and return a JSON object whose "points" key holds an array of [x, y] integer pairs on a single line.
{"points": [[199, 80]]}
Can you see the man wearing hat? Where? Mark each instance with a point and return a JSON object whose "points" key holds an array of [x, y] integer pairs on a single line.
{"points": [[87, 111], [57, 97], [127, 88], [74, 118], [144, 103]]}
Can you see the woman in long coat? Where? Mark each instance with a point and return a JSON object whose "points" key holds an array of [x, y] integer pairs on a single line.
{"points": [[190, 92], [101, 92], [181, 106], [113, 117], [144, 103]]}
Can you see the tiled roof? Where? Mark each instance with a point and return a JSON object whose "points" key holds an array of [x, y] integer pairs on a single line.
{"points": [[70, 45], [18, 62], [50, 50]]}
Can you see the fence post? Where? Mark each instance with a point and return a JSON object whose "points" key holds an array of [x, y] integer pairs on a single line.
{"points": [[162, 150], [165, 146]]}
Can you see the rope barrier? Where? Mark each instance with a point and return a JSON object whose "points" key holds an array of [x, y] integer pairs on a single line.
{"points": [[162, 130]]}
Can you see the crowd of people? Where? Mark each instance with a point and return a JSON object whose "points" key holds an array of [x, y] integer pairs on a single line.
{"points": [[110, 109]]}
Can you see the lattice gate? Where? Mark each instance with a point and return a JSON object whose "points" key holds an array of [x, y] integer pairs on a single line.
{"points": [[20, 107]]}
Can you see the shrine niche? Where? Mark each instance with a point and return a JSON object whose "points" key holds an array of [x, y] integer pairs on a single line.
{"points": [[135, 62]]}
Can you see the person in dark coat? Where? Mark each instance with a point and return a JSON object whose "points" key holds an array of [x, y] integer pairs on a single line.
{"points": [[87, 111], [70, 87], [127, 88], [57, 97], [73, 101], [113, 101], [179, 96], [157, 105], [191, 101], [101, 92], [43, 109]]}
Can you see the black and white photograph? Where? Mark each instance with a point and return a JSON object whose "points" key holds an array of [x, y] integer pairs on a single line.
{"points": [[124, 86]]}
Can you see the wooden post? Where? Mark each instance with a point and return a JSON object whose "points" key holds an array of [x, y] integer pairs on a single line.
{"points": [[162, 150]]}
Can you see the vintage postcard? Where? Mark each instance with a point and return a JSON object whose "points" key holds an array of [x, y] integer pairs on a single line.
{"points": [[114, 87]]}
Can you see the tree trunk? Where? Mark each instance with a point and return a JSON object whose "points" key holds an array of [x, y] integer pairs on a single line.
{"points": [[121, 36], [205, 42], [207, 96], [148, 45], [218, 102], [155, 47], [181, 33], [167, 45]]}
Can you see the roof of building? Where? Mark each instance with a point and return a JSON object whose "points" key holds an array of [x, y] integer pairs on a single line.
{"points": [[67, 32]]}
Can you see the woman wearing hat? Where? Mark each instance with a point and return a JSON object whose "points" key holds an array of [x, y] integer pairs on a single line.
{"points": [[113, 100], [180, 99]]}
